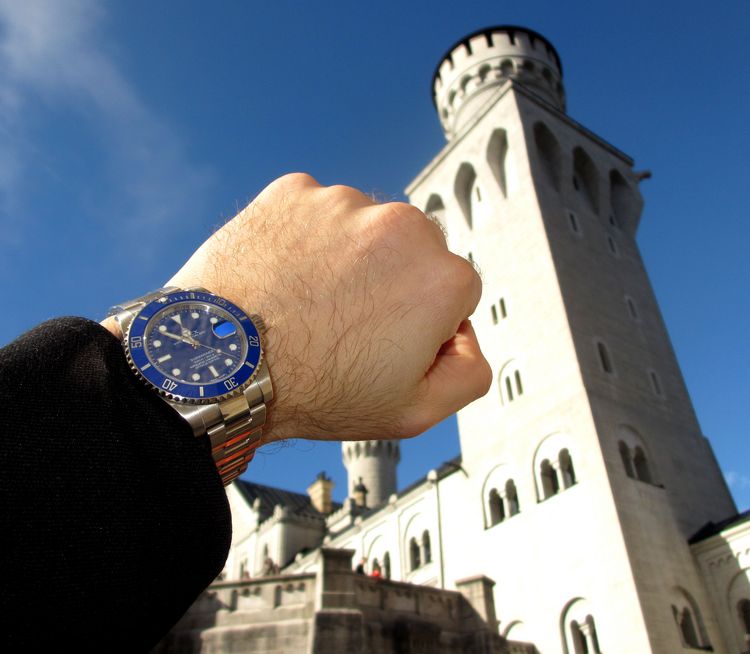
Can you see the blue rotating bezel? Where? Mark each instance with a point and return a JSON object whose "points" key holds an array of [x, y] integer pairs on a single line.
{"points": [[182, 391]]}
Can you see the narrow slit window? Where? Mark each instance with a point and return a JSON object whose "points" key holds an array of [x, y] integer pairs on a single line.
{"points": [[519, 385], [494, 314], [612, 245], [509, 389], [470, 257], [604, 358], [655, 384], [503, 310], [632, 310], [574, 223], [479, 195]]}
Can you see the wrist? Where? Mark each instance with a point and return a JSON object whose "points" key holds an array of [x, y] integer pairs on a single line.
{"points": [[112, 326]]}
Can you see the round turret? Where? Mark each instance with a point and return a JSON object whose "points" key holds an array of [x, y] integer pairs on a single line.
{"points": [[373, 465], [486, 59]]}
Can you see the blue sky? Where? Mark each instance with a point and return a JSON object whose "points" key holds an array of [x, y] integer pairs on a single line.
{"points": [[129, 130]]}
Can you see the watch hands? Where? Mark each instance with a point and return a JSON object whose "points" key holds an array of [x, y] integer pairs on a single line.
{"points": [[187, 338], [182, 339]]}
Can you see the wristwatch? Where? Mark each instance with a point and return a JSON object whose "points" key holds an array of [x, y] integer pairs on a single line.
{"points": [[203, 355]]}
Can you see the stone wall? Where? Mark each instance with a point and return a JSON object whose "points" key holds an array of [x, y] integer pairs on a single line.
{"points": [[336, 611]]}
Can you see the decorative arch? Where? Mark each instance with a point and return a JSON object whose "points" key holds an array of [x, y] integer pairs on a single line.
{"points": [[635, 454], [414, 542], [499, 495], [578, 628], [688, 619], [586, 178], [553, 463], [462, 188], [497, 151], [549, 154]]}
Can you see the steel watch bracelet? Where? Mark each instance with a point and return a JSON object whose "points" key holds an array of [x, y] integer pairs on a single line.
{"points": [[233, 425]]}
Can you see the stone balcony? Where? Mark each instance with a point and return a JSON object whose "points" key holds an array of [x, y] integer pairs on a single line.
{"points": [[336, 611]]}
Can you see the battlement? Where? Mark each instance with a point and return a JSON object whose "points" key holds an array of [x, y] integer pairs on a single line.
{"points": [[484, 61]]}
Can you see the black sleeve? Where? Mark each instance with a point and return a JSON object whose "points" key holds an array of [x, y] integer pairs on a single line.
{"points": [[113, 518]]}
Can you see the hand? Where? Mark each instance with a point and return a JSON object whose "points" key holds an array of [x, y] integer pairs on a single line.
{"points": [[367, 310]]}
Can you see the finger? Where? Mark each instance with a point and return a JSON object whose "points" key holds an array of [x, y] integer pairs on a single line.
{"points": [[459, 375]]}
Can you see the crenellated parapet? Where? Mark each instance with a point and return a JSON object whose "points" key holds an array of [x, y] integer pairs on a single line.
{"points": [[487, 59]]}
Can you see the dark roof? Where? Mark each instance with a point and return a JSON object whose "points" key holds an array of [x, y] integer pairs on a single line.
{"points": [[295, 503], [713, 528], [487, 32]]}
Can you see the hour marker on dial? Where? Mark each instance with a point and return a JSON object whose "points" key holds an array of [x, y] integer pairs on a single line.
{"points": [[213, 371], [233, 346], [156, 343], [166, 357], [195, 315], [196, 376], [176, 372], [177, 318], [214, 320], [228, 362], [162, 328]]}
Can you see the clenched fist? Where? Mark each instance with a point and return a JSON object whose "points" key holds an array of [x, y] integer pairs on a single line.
{"points": [[367, 310]]}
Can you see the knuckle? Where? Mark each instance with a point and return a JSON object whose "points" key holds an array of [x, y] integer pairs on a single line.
{"points": [[297, 179]]}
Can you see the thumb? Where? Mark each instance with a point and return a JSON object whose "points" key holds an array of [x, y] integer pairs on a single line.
{"points": [[459, 375]]}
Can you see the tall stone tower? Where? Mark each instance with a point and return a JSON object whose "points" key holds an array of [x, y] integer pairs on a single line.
{"points": [[374, 464], [586, 452]]}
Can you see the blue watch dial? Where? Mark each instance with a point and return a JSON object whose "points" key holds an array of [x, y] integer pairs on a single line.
{"points": [[194, 345]]}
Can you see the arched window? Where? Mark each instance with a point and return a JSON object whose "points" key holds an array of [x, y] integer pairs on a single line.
{"points": [[415, 560], [553, 465], [743, 610], [497, 512], [511, 383], [426, 547], [689, 620], [511, 495], [580, 635], [586, 178], [640, 464], [506, 67], [550, 485], [580, 646], [497, 151], [387, 565], [687, 629], [626, 462], [463, 187], [566, 468], [548, 152], [604, 358]]}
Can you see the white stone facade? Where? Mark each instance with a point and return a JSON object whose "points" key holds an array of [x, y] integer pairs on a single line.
{"points": [[583, 472]]}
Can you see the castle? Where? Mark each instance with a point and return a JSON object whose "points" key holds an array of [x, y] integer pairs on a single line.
{"points": [[584, 489]]}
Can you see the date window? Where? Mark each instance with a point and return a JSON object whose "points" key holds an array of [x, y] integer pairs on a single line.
{"points": [[224, 329]]}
